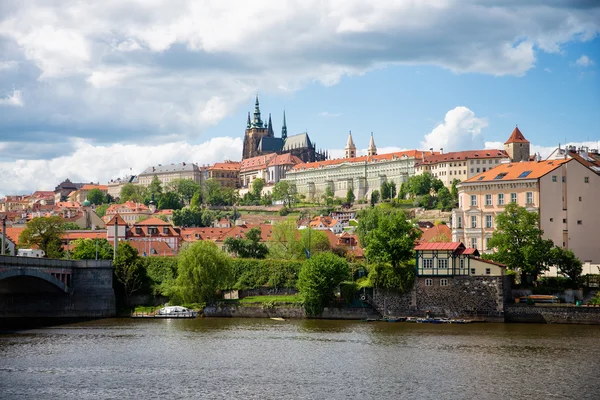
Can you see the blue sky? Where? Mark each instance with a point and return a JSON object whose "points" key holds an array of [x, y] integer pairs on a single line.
{"points": [[94, 91]]}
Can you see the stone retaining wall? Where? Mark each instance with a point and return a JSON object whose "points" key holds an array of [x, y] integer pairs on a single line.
{"points": [[289, 312], [552, 314]]}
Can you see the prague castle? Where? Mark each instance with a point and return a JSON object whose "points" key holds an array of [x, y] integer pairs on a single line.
{"points": [[260, 139]]}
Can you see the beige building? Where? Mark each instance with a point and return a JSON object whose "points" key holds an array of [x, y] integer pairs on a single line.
{"points": [[115, 185], [168, 173], [129, 212], [563, 192], [444, 259], [361, 174], [226, 173], [255, 168]]}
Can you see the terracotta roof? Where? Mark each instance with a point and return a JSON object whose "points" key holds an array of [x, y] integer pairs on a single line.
{"points": [[133, 207], [468, 251], [84, 234], [153, 248], [104, 188], [152, 221], [430, 234], [67, 204], [229, 166], [439, 246], [325, 220], [516, 137], [517, 171], [464, 155], [256, 163], [592, 162], [490, 262], [285, 159], [13, 234], [120, 220], [417, 154], [164, 212], [188, 234]]}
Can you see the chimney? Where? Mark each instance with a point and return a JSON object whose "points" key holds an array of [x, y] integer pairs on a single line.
{"points": [[441, 150]]}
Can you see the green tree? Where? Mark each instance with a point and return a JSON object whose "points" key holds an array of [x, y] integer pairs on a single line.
{"points": [[374, 197], [96, 196], [284, 243], [170, 201], [129, 269], [444, 199], [567, 263], [45, 233], [101, 210], [155, 188], [518, 242], [196, 199], [350, 196], [419, 185], [86, 249], [313, 241], [388, 190], [328, 195], [197, 217], [318, 277], [132, 192], [454, 191], [248, 247], [71, 226], [185, 189], [257, 186], [436, 185], [213, 193], [286, 192], [202, 270]]}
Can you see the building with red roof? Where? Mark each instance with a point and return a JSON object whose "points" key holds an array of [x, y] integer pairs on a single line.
{"points": [[443, 259]]}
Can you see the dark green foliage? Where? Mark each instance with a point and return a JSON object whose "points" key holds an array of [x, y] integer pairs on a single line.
{"points": [[161, 272], [388, 191], [101, 210], [45, 234], [374, 197], [96, 196], [319, 276], [193, 217], [185, 189], [386, 276], [71, 226], [170, 201], [567, 263], [285, 192], [350, 196], [129, 269], [248, 247], [252, 273], [131, 192], [348, 290], [86, 249]]}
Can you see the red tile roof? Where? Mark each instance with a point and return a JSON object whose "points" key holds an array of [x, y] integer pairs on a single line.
{"points": [[490, 262], [103, 188], [84, 234], [120, 220], [153, 248], [285, 159], [453, 246], [417, 154], [436, 232], [152, 221], [228, 166], [13, 234], [517, 171], [464, 155], [256, 163], [516, 137]]}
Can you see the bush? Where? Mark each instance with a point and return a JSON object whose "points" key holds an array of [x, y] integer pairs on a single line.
{"points": [[348, 289], [160, 271], [251, 273], [283, 212]]}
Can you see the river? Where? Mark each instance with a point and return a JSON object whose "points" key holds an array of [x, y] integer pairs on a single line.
{"points": [[300, 359]]}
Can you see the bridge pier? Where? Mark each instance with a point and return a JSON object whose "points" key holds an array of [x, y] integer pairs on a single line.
{"points": [[48, 288]]}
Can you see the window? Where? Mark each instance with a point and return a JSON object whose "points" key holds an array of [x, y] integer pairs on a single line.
{"points": [[462, 263], [442, 263], [501, 175], [488, 271], [554, 178], [579, 222], [472, 271], [551, 219], [473, 200], [497, 161], [443, 282], [564, 179], [472, 170], [586, 179], [488, 221], [477, 161], [473, 221], [488, 199], [513, 197], [564, 220], [166, 230], [500, 199], [478, 170], [428, 282], [459, 222], [529, 197], [524, 174], [428, 263], [579, 198], [474, 243]]}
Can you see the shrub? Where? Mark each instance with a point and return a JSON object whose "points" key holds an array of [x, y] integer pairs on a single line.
{"points": [[251, 273], [283, 212]]}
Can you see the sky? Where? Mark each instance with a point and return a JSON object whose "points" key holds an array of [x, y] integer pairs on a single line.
{"points": [[94, 91]]}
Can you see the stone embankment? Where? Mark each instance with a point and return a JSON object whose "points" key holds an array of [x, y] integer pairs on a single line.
{"points": [[287, 311], [552, 314]]}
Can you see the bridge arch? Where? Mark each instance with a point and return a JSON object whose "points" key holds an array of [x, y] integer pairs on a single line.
{"points": [[35, 273]]}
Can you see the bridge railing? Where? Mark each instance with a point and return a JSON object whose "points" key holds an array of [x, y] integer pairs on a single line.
{"points": [[15, 261]]}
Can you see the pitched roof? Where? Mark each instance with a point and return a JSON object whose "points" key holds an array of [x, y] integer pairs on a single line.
{"points": [[84, 234], [285, 159], [436, 232], [517, 171], [157, 248], [256, 163], [179, 167], [152, 221], [120, 220], [270, 144], [228, 166], [464, 155], [516, 137], [104, 188], [417, 154], [453, 246], [490, 262], [13, 234], [132, 206], [301, 140]]}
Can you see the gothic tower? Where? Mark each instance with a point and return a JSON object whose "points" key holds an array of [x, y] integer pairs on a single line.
{"points": [[255, 130], [517, 147], [284, 128], [372, 150], [350, 149]]}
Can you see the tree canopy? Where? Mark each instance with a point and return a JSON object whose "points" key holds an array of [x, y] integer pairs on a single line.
{"points": [[44, 233], [318, 277], [388, 190], [129, 271], [185, 189], [248, 247], [96, 196], [567, 263], [86, 249], [350, 196], [284, 191], [193, 216], [132, 192], [170, 201]]}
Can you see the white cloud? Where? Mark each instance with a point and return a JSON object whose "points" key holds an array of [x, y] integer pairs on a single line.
{"points": [[14, 99], [156, 68], [584, 61], [461, 130], [89, 162], [327, 114], [8, 65], [548, 70]]}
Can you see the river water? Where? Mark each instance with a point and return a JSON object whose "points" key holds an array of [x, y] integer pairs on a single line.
{"points": [[301, 359]]}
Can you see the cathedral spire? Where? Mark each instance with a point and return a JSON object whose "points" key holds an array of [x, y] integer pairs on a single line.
{"points": [[372, 150], [249, 124], [270, 128], [284, 128], [350, 150], [257, 122]]}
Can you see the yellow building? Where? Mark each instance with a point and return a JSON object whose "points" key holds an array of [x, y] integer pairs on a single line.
{"points": [[446, 259]]}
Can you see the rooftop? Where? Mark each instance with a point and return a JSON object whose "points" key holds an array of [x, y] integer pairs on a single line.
{"points": [[517, 171], [180, 167], [516, 137], [464, 155], [417, 154]]}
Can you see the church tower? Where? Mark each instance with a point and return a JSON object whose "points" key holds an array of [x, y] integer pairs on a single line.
{"points": [[350, 149], [517, 147], [372, 150], [255, 130], [284, 128]]}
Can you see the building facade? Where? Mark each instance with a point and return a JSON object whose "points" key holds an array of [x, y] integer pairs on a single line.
{"points": [[444, 259], [129, 212], [563, 192], [361, 174], [115, 185], [168, 173], [226, 173]]}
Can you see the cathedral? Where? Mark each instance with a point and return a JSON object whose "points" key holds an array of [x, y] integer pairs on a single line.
{"points": [[260, 139]]}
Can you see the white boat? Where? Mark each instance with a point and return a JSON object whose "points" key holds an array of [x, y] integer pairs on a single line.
{"points": [[177, 311]]}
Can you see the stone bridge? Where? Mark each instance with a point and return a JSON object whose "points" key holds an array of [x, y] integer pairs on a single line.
{"points": [[42, 287]]}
